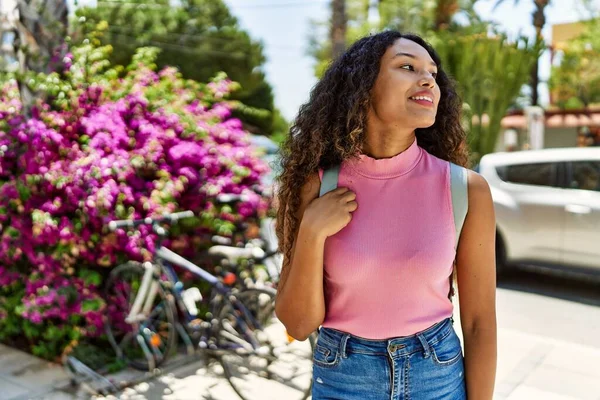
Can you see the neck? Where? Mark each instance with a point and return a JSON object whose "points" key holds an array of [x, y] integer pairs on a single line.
{"points": [[387, 142]]}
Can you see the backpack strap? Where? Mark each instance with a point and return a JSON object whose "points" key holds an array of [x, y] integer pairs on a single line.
{"points": [[329, 181], [460, 198], [460, 205], [458, 186]]}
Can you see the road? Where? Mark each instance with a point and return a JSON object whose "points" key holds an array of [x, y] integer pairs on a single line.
{"points": [[549, 347], [561, 308]]}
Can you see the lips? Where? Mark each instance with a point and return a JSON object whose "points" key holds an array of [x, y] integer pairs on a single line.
{"points": [[423, 95], [424, 98], [426, 103]]}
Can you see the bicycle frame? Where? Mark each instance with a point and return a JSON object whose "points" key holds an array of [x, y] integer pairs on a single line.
{"points": [[145, 296], [150, 284]]}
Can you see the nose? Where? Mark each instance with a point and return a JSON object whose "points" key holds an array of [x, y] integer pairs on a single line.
{"points": [[427, 80]]}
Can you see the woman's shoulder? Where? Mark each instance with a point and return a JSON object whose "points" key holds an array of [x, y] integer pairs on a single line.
{"points": [[310, 188], [478, 186]]}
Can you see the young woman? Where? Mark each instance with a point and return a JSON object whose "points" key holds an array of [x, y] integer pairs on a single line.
{"points": [[369, 262]]}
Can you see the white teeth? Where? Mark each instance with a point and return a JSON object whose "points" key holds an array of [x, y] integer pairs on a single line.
{"points": [[429, 99]]}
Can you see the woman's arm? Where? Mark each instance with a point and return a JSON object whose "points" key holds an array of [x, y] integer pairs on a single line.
{"points": [[476, 275], [300, 301]]}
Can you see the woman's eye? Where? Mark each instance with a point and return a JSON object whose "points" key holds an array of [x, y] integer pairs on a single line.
{"points": [[411, 68]]}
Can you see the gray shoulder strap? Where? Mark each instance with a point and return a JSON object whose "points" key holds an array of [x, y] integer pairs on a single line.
{"points": [[330, 180], [459, 189], [460, 197]]}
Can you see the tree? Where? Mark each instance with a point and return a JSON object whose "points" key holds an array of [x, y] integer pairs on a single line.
{"points": [[444, 11], [40, 41], [422, 17], [539, 21], [358, 24], [406, 15], [338, 27], [199, 37], [490, 72], [42, 27], [576, 81]]}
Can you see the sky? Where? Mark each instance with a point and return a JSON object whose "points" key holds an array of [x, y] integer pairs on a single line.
{"points": [[284, 26]]}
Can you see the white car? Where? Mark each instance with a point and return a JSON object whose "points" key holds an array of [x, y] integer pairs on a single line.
{"points": [[547, 206]]}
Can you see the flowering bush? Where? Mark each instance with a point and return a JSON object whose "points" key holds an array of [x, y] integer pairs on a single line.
{"points": [[106, 144]]}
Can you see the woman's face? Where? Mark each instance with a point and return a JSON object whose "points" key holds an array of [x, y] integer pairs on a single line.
{"points": [[405, 90]]}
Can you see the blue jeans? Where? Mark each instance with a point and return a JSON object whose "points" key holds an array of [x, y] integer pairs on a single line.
{"points": [[426, 366]]}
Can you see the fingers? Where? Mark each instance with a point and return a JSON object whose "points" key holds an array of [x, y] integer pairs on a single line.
{"points": [[352, 206], [346, 197], [339, 191], [344, 194], [349, 196]]}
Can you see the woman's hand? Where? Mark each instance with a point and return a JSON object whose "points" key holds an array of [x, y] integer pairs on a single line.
{"points": [[329, 214]]}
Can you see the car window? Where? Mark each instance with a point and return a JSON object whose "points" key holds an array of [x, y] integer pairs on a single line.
{"points": [[540, 174], [585, 175]]}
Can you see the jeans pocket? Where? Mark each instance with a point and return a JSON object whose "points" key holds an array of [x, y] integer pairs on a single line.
{"points": [[448, 350], [326, 354]]}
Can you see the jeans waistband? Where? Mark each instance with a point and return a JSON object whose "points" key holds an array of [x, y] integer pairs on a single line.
{"points": [[402, 345]]}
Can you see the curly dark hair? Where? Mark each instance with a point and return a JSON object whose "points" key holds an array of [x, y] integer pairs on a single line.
{"points": [[330, 127]]}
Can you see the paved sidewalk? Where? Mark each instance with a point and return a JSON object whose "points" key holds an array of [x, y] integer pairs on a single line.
{"points": [[534, 367], [530, 367], [23, 376]]}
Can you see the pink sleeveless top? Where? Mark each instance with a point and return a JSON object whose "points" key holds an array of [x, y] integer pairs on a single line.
{"points": [[386, 273]]}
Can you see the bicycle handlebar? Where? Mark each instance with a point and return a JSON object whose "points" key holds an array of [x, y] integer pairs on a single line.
{"points": [[132, 223], [230, 198]]}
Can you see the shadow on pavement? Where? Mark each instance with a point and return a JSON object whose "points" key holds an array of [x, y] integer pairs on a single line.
{"points": [[558, 284]]}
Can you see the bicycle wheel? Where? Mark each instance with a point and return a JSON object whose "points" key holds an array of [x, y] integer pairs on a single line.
{"points": [[283, 367], [146, 342]]}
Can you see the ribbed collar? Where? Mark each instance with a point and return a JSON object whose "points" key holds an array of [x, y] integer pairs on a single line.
{"points": [[385, 168]]}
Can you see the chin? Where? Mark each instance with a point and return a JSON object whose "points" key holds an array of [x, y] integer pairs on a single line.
{"points": [[425, 123]]}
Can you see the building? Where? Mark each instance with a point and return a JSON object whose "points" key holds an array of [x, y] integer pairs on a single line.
{"points": [[561, 128]]}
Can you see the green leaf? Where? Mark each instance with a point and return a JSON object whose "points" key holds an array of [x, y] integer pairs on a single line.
{"points": [[54, 333], [90, 277], [31, 330], [24, 191], [91, 305]]}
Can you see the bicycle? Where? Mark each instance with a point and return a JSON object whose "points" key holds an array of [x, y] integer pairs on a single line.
{"points": [[148, 310], [257, 251]]}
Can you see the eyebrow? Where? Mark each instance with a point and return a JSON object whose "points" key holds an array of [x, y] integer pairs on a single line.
{"points": [[400, 54]]}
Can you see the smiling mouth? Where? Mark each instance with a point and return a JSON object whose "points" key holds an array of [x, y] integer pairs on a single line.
{"points": [[422, 100]]}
